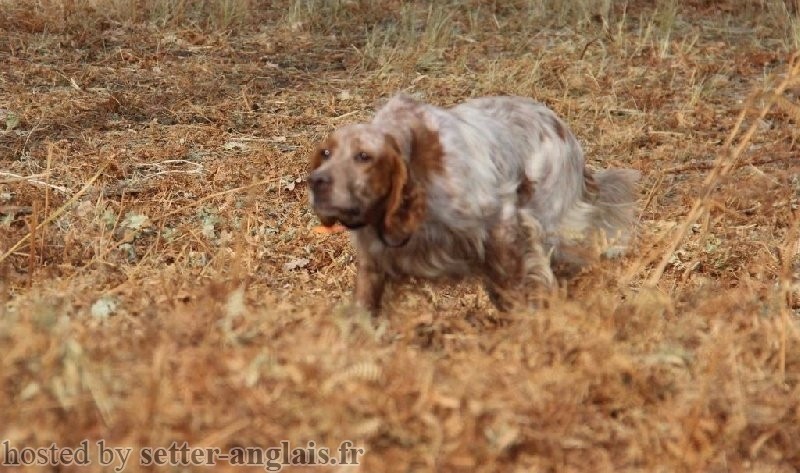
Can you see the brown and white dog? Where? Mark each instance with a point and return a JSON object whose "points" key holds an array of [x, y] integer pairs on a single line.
{"points": [[495, 187]]}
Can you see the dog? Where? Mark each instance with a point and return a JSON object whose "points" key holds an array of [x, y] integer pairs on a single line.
{"points": [[495, 187]]}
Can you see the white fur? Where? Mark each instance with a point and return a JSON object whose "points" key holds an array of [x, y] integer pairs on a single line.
{"points": [[491, 145]]}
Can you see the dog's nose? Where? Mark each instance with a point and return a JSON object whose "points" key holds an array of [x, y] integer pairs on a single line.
{"points": [[350, 211], [318, 179]]}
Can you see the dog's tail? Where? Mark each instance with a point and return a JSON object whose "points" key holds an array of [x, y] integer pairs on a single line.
{"points": [[602, 221], [613, 193]]}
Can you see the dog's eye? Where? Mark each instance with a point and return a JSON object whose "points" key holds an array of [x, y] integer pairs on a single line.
{"points": [[363, 157], [325, 154]]}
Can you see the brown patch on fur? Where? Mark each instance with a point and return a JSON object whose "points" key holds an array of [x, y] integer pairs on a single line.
{"points": [[515, 258], [406, 206], [525, 191], [316, 158], [315, 162], [542, 135], [370, 283], [591, 188], [561, 131], [521, 123], [426, 151], [504, 270]]}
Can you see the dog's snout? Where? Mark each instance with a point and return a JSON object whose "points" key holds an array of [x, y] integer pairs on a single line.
{"points": [[319, 179], [350, 211]]}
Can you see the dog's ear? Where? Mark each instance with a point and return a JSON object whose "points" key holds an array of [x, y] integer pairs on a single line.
{"points": [[405, 205], [318, 156]]}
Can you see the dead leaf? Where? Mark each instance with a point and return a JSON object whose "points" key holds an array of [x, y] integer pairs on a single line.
{"points": [[235, 145], [135, 221], [292, 183], [103, 307], [12, 120], [296, 263]]}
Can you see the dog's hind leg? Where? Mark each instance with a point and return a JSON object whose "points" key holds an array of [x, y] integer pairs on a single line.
{"points": [[516, 262]]}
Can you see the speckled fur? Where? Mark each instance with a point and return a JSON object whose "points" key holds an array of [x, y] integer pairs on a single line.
{"points": [[509, 195]]}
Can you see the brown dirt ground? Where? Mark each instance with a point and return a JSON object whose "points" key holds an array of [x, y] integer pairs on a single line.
{"points": [[182, 296]]}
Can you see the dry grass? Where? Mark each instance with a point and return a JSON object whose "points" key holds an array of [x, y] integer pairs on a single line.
{"points": [[181, 296]]}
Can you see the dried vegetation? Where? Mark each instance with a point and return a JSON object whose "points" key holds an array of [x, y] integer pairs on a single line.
{"points": [[159, 279]]}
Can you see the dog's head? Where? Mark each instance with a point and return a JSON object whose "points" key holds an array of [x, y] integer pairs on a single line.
{"points": [[360, 176]]}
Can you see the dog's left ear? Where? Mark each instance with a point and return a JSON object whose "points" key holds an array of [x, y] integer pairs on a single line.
{"points": [[405, 206]]}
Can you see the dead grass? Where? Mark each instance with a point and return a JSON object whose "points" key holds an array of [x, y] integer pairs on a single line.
{"points": [[181, 296]]}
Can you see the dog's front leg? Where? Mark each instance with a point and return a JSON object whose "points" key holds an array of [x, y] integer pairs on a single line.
{"points": [[370, 283], [504, 267]]}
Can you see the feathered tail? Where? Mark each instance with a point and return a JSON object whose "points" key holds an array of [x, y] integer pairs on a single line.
{"points": [[615, 202], [601, 223]]}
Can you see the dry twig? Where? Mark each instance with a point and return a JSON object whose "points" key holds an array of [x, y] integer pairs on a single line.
{"points": [[32, 179], [58, 212], [724, 163]]}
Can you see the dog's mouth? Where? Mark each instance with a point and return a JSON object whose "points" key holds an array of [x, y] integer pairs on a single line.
{"points": [[353, 225], [351, 217]]}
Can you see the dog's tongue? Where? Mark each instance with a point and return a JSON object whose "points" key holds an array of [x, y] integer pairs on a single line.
{"points": [[335, 228]]}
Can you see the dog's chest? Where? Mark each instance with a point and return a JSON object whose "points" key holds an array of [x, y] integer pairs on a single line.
{"points": [[428, 254]]}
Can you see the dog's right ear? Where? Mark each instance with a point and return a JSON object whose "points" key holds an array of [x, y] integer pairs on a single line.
{"points": [[321, 154]]}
